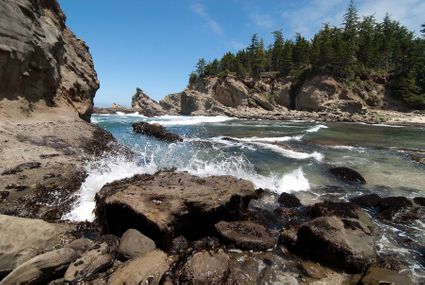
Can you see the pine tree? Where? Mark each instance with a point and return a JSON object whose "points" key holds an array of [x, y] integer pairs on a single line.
{"points": [[201, 67], [423, 30]]}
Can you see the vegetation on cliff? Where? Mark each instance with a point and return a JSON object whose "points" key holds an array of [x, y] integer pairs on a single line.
{"points": [[359, 49]]}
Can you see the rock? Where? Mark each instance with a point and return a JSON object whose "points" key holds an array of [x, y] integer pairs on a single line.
{"points": [[314, 270], [206, 268], [347, 174], [81, 245], [155, 130], [179, 245], [246, 235], [147, 269], [289, 200], [100, 257], [134, 244], [22, 167], [44, 63], [339, 209], [418, 200], [42, 268], [391, 206], [22, 239], [376, 275], [3, 195], [341, 243], [262, 103], [367, 201], [170, 204], [146, 106]]}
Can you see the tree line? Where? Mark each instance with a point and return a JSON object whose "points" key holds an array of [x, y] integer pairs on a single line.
{"points": [[359, 49]]}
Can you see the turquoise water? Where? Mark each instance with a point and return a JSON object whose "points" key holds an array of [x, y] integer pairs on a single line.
{"points": [[280, 156]]}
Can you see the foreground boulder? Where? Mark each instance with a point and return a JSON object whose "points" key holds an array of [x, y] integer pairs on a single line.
{"points": [[134, 244], [376, 275], [206, 267], [147, 269], [157, 131], [347, 174], [246, 235], [22, 239], [42, 268], [168, 204]]}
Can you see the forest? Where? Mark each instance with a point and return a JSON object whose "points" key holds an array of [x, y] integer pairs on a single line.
{"points": [[360, 48]]}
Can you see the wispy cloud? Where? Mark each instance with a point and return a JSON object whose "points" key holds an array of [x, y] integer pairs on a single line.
{"points": [[199, 9], [262, 20]]}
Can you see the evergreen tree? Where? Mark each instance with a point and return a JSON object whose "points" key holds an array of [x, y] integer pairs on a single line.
{"points": [[423, 30], [201, 67]]}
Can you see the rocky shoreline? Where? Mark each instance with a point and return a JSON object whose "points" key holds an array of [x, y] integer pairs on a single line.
{"points": [[169, 227]]}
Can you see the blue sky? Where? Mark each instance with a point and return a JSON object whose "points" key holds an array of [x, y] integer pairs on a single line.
{"points": [[155, 44]]}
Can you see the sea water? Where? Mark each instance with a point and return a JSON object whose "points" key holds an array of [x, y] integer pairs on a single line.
{"points": [[280, 156]]}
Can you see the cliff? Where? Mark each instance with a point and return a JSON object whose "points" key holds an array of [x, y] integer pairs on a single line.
{"points": [[43, 64]]}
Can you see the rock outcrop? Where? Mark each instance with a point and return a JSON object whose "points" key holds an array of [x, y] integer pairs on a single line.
{"points": [[157, 131], [43, 64], [168, 204], [143, 104]]}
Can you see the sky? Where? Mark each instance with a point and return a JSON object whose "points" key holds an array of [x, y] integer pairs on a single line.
{"points": [[155, 44]]}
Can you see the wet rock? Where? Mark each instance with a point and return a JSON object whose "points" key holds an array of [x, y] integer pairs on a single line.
{"points": [[206, 243], [347, 174], [21, 167], [341, 243], [376, 275], [42, 268], [246, 235], [100, 257], [147, 269], [3, 195], [155, 130], [170, 204], [342, 209], [391, 206], [179, 245], [206, 268], [417, 200], [367, 201], [134, 244], [314, 270], [289, 200], [21, 239]]}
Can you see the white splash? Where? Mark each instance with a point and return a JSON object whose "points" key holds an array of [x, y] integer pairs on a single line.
{"points": [[168, 120], [271, 139], [291, 153], [294, 181], [100, 173], [315, 129]]}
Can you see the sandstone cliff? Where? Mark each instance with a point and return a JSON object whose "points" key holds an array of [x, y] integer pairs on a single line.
{"points": [[268, 96], [42, 63]]}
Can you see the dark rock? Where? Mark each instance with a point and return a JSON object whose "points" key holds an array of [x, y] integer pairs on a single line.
{"points": [[4, 195], [367, 201], [134, 244], [179, 245], [147, 269], [390, 206], [376, 275], [155, 130], [342, 210], [206, 243], [347, 174], [419, 200], [289, 200], [170, 204], [346, 244], [246, 235], [21, 167], [206, 268], [42, 268], [100, 257]]}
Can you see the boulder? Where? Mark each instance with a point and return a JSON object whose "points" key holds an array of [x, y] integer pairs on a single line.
{"points": [[134, 244], [376, 275], [22, 239], [419, 200], [155, 130], [367, 201], [341, 243], [391, 206], [147, 269], [100, 257], [262, 103], [347, 174], [206, 267], [168, 204], [81, 245], [246, 235], [289, 200], [42, 268]]}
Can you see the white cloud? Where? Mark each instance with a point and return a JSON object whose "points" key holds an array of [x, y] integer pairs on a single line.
{"points": [[408, 12], [199, 9], [262, 20]]}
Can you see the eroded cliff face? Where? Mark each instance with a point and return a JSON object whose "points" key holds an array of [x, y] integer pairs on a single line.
{"points": [[42, 63]]}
